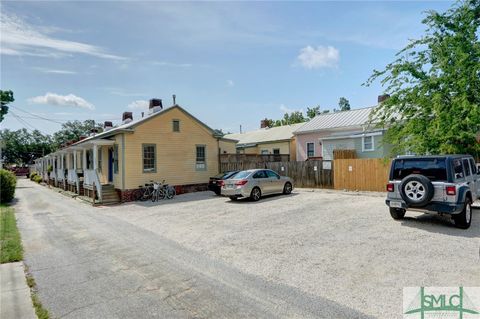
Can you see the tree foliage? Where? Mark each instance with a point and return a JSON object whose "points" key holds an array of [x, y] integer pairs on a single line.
{"points": [[291, 118], [22, 147], [434, 86], [313, 111], [73, 130], [344, 104], [6, 97]]}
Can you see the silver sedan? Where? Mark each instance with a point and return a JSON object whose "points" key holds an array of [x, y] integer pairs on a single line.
{"points": [[255, 183]]}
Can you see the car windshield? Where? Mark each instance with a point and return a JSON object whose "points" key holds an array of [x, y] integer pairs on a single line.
{"points": [[242, 174], [433, 168]]}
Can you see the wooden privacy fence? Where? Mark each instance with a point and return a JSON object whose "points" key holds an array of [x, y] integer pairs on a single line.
{"points": [[361, 174], [342, 154], [304, 174]]}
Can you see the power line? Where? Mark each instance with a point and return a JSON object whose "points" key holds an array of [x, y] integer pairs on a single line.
{"points": [[22, 121]]}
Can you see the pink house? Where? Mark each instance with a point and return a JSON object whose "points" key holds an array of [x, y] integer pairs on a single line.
{"points": [[340, 130]]}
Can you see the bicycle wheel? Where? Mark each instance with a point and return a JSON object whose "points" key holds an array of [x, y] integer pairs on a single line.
{"points": [[137, 195], [171, 192], [154, 196], [161, 194]]}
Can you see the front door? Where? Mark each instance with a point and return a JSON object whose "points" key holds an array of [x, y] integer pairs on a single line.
{"points": [[110, 165]]}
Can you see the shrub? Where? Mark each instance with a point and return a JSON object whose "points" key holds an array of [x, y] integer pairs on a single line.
{"points": [[32, 175], [7, 186], [37, 179]]}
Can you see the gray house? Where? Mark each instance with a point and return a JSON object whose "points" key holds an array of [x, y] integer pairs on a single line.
{"points": [[323, 134]]}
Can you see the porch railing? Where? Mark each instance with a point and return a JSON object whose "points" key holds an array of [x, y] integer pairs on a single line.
{"points": [[60, 174], [90, 178], [73, 179]]}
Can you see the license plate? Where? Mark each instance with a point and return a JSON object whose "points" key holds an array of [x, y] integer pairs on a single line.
{"points": [[395, 204], [230, 186]]}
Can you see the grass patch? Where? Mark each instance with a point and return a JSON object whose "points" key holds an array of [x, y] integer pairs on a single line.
{"points": [[41, 312], [10, 243]]}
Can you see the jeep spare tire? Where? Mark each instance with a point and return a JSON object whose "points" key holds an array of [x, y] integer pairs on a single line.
{"points": [[416, 190]]}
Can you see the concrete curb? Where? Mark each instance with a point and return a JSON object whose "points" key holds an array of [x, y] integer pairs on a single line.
{"points": [[15, 298]]}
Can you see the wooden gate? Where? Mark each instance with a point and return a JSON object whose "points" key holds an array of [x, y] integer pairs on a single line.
{"points": [[361, 174], [317, 173]]}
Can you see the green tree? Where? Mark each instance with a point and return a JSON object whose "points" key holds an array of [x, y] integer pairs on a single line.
{"points": [[313, 111], [292, 118], [434, 86], [22, 147], [73, 130], [344, 104], [6, 97]]}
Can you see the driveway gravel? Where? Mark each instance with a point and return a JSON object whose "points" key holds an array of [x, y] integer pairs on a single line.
{"points": [[312, 254]]}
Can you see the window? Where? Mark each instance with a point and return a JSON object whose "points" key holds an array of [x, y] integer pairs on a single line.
{"points": [[466, 167], [458, 169], [272, 174], [367, 143], [474, 167], [310, 149], [260, 174], [200, 164], [276, 151], [434, 169], [149, 151], [176, 125], [264, 152], [115, 159]]}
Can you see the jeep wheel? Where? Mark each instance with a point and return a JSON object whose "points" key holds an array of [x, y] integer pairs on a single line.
{"points": [[287, 189], [464, 219], [416, 190], [397, 213]]}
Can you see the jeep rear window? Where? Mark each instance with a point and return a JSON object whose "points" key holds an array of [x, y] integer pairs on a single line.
{"points": [[433, 168]]}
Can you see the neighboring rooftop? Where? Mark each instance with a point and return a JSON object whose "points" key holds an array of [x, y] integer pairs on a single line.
{"points": [[356, 117], [264, 135]]}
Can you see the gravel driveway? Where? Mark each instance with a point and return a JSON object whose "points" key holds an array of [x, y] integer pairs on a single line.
{"points": [[323, 254]]}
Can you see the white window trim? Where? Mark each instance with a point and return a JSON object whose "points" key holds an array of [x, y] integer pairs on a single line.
{"points": [[306, 149], [363, 144]]}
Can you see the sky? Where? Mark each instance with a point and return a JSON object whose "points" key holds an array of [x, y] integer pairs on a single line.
{"points": [[228, 63]]}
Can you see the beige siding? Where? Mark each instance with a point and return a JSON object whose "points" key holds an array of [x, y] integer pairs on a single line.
{"points": [[283, 146], [293, 149], [175, 151], [117, 177], [103, 167], [227, 147]]}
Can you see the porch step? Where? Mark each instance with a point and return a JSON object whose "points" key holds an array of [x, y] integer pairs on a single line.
{"points": [[109, 195]]}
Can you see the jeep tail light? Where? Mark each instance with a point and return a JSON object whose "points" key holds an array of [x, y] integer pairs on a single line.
{"points": [[390, 187], [241, 183], [451, 190], [221, 183]]}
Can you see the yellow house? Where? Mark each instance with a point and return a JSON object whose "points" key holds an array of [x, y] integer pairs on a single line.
{"points": [[168, 144], [274, 141]]}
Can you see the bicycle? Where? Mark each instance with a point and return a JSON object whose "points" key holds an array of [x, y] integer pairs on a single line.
{"points": [[144, 192], [158, 191]]}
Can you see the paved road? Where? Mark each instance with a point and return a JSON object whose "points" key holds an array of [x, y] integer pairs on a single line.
{"points": [[90, 264]]}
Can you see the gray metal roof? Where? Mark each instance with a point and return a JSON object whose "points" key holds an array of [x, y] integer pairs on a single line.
{"points": [[352, 118], [264, 135]]}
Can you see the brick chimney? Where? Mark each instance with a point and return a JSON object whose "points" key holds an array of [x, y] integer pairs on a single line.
{"points": [[107, 125], [127, 117], [155, 106], [383, 97], [264, 123]]}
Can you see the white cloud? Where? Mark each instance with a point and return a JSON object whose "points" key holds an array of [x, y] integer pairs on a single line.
{"points": [[286, 109], [321, 57], [20, 38], [171, 64], [54, 71], [62, 100], [230, 83], [138, 105]]}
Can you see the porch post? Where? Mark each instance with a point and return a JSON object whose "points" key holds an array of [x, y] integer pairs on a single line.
{"points": [[84, 161], [75, 160], [95, 156]]}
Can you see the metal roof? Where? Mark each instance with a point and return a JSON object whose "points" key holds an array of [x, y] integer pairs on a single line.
{"points": [[352, 118], [264, 135]]}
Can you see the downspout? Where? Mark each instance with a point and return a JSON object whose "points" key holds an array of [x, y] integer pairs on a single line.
{"points": [[123, 161], [218, 151]]}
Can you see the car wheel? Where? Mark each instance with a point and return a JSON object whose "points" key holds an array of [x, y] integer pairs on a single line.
{"points": [[233, 198], [464, 219], [287, 189], [397, 213], [255, 194], [416, 190], [218, 192]]}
